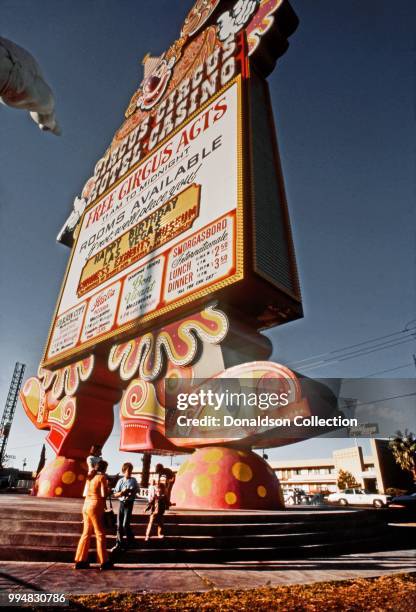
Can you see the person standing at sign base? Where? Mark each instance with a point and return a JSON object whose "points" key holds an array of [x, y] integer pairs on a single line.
{"points": [[169, 480], [157, 507], [93, 460], [125, 490], [96, 492]]}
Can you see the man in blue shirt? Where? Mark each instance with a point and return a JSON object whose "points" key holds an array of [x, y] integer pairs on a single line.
{"points": [[125, 490]]}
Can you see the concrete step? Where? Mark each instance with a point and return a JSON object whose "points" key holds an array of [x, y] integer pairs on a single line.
{"points": [[200, 517], [185, 528], [48, 530], [154, 554], [35, 538]]}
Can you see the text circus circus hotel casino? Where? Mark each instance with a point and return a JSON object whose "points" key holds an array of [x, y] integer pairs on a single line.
{"points": [[188, 203]]}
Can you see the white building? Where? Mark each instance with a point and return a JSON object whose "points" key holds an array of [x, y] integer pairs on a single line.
{"points": [[375, 472]]}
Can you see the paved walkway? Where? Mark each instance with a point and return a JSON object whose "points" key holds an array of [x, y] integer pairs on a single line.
{"points": [[61, 578]]}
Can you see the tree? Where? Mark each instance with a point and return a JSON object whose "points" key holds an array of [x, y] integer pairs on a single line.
{"points": [[403, 448], [346, 480], [42, 460]]}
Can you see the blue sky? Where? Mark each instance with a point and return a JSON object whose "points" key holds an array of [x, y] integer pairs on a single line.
{"points": [[343, 97]]}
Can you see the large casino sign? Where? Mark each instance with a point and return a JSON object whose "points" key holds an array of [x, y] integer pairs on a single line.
{"points": [[187, 204]]}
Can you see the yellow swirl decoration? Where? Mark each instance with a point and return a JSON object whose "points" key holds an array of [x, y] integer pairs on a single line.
{"points": [[64, 414], [134, 398], [179, 341], [33, 398], [140, 401]]}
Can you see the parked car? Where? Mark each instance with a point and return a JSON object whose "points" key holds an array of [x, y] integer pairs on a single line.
{"points": [[359, 497], [404, 501]]}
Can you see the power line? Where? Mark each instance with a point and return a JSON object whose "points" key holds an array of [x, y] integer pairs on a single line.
{"points": [[355, 354], [384, 399], [27, 446], [346, 356], [402, 331], [375, 349], [352, 346], [338, 360], [344, 349], [405, 365]]}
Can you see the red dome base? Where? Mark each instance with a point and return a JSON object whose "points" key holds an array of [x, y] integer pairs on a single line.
{"points": [[61, 477], [220, 478]]}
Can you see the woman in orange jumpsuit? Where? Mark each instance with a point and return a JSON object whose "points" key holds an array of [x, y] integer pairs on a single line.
{"points": [[96, 491]]}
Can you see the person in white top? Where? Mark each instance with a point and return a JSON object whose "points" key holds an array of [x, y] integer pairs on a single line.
{"points": [[151, 491], [93, 460]]}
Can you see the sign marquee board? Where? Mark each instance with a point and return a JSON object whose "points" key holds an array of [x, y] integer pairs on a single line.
{"points": [[151, 243], [167, 219]]}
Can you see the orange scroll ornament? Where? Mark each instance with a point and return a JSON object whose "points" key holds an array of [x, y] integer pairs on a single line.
{"points": [[179, 341], [69, 403]]}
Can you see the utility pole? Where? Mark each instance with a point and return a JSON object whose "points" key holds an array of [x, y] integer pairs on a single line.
{"points": [[146, 459], [10, 408]]}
